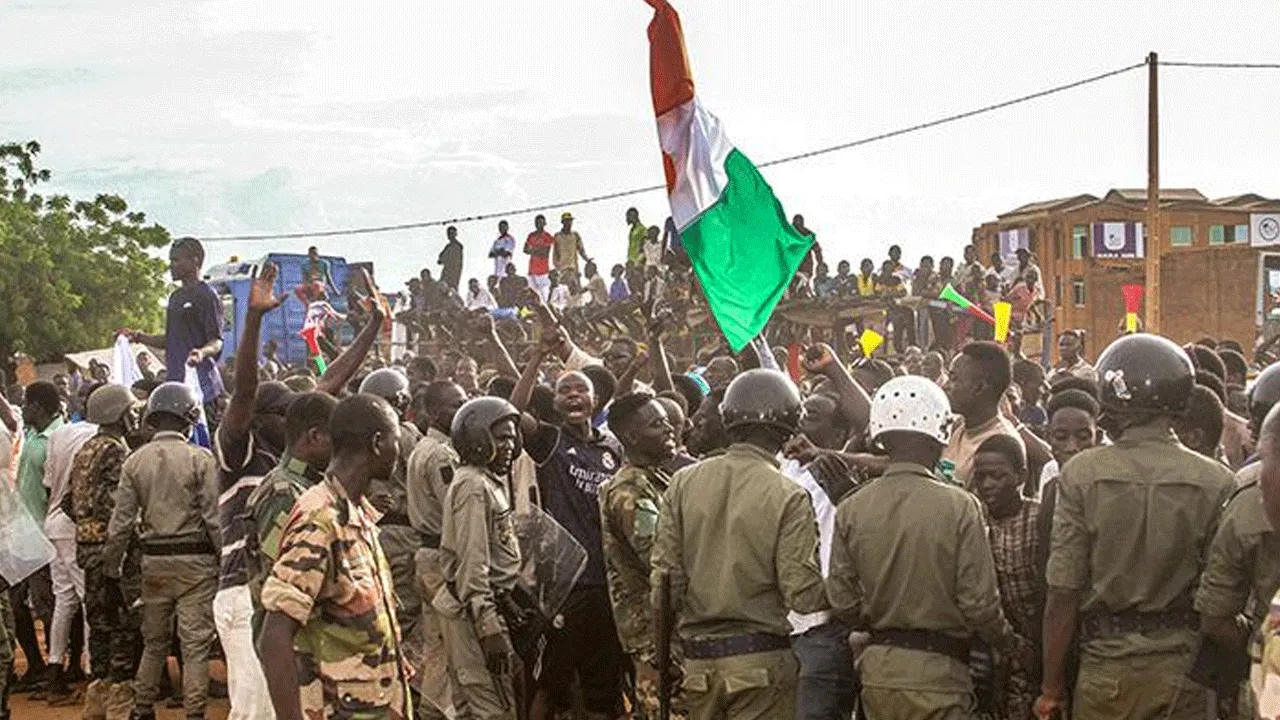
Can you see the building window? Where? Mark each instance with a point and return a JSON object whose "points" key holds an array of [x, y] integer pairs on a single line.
{"points": [[1217, 234], [1057, 243], [1182, 236], [1057, 291], [1079, 238], [1077, 291], [1242, 234]]}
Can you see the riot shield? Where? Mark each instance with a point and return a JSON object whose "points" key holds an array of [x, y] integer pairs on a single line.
{"points": [[551, 560], [24, 548]]}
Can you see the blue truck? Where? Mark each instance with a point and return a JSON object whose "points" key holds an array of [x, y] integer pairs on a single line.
{"points": [[232, 280]]}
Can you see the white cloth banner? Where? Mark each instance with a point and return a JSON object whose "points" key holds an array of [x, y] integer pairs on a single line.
{"points": [[200, 433], [124, 366], [1264, 229]]}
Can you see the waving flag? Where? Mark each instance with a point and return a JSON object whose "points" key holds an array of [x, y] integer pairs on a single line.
{"points": [[733, 228]]}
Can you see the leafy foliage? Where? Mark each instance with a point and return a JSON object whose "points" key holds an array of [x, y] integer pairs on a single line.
{"points": [[72, 272]]}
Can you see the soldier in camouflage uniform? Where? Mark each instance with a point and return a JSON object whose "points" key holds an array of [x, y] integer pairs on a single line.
{"points": [[389, 495], [114, 624], [168, 491], [7, 642], [330, 641], [308, 449], [629, 504], [430, 473]]}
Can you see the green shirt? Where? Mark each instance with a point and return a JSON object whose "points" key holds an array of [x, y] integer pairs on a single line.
{"points": [[740, 543], [635, 244], [35, 449]]}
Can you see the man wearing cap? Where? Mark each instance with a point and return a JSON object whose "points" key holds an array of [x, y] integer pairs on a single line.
{"points": [[249, 444], [568, 246], [739, 542]]}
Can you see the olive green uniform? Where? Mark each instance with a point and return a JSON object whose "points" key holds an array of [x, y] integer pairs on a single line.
{"points": [[430, 471], [1131, 529], [740, 544], [400, 541], [168, 490], [910, 555], [479, 558], [1243, 568]]}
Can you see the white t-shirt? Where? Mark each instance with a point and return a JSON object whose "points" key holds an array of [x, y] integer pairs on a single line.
{"points": [[8, 458], [64, 443], [504, 244], [826, 512], [653, 251], [482, 300]]}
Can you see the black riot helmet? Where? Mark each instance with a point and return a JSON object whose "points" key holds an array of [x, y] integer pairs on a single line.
{"points": [[176, 399], [1264, 394], [472, 430], [390, 385], [762, 397], [1144, 374]]}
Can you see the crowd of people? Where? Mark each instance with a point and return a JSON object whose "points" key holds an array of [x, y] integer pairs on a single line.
{"points": [[657, 272], [950, 532]]}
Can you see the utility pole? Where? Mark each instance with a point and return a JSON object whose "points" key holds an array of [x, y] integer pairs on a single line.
{"points": [[1153, 245]]}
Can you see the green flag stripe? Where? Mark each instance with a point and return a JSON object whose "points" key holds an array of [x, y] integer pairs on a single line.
{"points": [[745, 252]]}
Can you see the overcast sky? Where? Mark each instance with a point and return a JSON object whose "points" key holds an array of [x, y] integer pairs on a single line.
{"points": [[230, 116]]}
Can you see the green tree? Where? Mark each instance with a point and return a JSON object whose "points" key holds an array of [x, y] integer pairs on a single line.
{"points": [[72, 272]]}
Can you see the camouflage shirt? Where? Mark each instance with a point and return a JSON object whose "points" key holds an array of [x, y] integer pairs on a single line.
{"points": [[628, 520], [95, 473], [267, 511], [333, 579]]}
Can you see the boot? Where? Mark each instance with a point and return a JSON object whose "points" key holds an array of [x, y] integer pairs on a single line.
{"points": [[120, 701], [40, 691], [57, 691], [95, 701]]}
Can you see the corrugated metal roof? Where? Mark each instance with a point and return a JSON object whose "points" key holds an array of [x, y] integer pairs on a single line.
{"points": [[1166, 195], [1045, 206]]}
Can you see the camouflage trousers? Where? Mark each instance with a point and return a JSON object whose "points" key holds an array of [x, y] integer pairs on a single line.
{"points": [[7, 643], [115, 621]]}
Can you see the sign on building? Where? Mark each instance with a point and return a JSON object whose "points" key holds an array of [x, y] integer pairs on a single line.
{"points": [[1116, 240], [1013, 240], [1264, 229]]}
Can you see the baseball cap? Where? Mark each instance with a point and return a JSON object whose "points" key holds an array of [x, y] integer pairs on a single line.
{"points": [[566, 216]]}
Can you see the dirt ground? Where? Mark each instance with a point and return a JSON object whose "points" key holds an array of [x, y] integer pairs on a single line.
{"points": [[23, 708]]}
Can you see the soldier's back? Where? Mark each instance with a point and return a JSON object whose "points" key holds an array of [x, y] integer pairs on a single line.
{"points": [[730, 509], [1133, 522], [174, 482]]}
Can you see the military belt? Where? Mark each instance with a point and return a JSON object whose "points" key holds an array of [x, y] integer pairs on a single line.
{"points": [[1103, 624], [161, 548], [926, 640], [736, 645]]}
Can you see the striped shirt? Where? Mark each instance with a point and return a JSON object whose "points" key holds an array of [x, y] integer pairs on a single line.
{"points": [[242, 463]]}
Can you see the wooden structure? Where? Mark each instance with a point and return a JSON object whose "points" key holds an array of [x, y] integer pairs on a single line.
{"points": [[1210, 275]]}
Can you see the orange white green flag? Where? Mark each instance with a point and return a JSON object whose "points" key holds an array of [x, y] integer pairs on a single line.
{"points": [[732, 226]]}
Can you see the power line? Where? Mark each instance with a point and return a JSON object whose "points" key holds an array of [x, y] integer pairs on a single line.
{"points": [[1222, 65], [651, 188]]}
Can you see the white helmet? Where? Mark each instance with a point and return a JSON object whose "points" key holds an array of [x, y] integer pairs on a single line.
{"points": [[911, 404]]}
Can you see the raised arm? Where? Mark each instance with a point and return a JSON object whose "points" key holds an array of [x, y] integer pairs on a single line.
{"points": [[501, 356], [522, 395], [262, 300], [855, 405], [344, 367]]}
